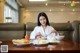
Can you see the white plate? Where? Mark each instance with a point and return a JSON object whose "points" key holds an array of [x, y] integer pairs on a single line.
{"points": [[54, 42], [21, 44], [36, 42]]}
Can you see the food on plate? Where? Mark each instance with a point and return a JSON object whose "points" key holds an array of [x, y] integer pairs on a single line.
{"points": [[20, 41], [53, 39], [39, 42], [40, 37], [42, 42]]}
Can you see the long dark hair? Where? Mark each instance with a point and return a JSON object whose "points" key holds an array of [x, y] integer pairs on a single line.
{"points": [[43, 14]]}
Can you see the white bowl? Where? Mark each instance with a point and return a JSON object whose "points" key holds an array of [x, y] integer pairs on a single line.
{"points": [[59, 37]]}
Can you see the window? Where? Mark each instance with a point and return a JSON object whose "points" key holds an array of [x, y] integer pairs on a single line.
{"points": [[11, 10]]}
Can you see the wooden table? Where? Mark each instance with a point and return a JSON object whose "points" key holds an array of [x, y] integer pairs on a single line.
{"points": [[64, 45]]}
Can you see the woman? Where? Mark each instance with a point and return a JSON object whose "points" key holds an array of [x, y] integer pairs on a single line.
{"points": [[43, 28]]}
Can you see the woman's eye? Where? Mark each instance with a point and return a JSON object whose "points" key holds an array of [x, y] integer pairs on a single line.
{"points": [[44, 19], [40, 19]]}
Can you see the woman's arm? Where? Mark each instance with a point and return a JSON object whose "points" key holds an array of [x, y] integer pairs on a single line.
{"points": [[32, 35], [35, 34], [54, 31]]}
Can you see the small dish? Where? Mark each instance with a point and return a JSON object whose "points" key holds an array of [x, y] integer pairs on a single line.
{"points": [[59, 37], [53, 40]]}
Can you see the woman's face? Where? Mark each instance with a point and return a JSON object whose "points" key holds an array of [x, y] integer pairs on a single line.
{"points": [[42, 20]]}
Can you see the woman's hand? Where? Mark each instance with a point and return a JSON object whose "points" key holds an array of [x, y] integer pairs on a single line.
{"points": [[54, 31], [38, 35]]}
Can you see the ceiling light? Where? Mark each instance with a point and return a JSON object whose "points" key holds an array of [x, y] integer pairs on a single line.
{"points": [[50, 10], [37, 0], [61, 9], [64, 4], [73, 10], [27, 10], [46, 4]]}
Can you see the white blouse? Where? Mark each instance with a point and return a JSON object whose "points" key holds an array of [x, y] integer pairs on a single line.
{"points": [[44, 33]]}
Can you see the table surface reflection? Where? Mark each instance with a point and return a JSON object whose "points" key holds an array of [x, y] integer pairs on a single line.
{"points": [[62, 46]]}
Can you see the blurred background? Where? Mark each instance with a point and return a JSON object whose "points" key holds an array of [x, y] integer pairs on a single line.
{"points": [[23, 11]]}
